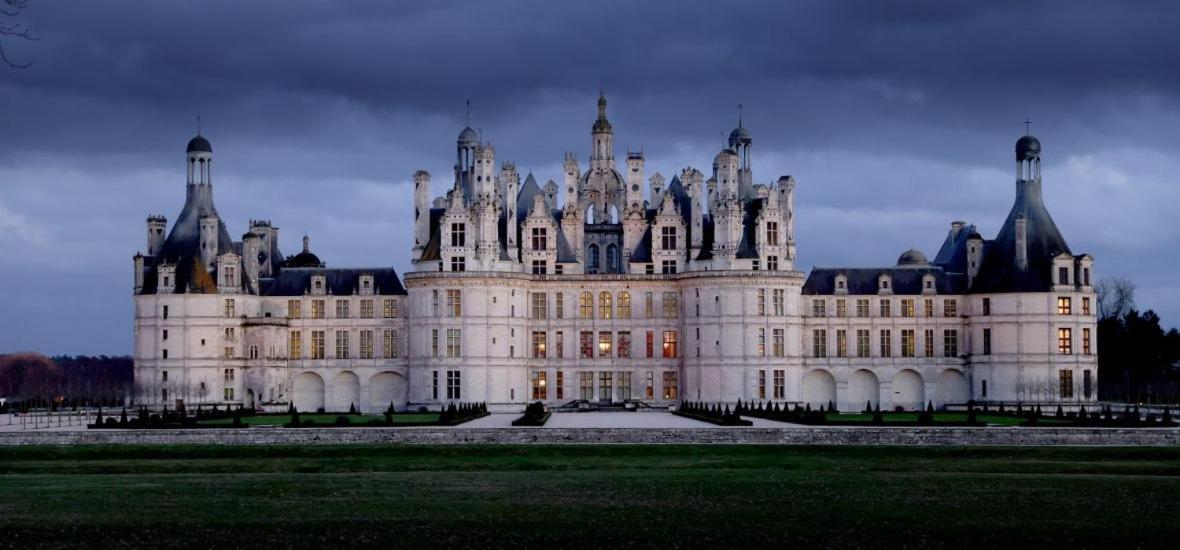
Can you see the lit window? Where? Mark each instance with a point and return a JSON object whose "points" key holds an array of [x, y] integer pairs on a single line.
{"points": [[454, 303], [586, 305], [604, 305], [907, 342], [1065, 341], [671, 305], [819, 342], [1064, 305], [604, 343], [671, 351], [624, 305], [950, 308], [540, 342], [454, 342]]}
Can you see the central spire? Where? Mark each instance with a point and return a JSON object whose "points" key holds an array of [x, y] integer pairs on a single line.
{"points": [[602, 138]]}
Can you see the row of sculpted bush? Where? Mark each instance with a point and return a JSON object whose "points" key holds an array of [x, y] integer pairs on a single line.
{"points": [[1099, 416], [24, 406], [770, 410], [180, 418], [534, 415], [450, 415], [712, 413]]}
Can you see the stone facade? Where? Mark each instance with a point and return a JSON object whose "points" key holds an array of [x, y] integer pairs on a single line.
{"points": [[604, 289]]}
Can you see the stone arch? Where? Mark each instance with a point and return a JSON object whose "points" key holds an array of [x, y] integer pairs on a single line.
{"points": [[308, 392], [909, 390], [612, 214], [952, 387], [863, 387], [346, 392], [387, 388], [819, 387]]}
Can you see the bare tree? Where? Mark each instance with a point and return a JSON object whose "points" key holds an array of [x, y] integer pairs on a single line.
{"points": [[11, 27], [1116, 296]]}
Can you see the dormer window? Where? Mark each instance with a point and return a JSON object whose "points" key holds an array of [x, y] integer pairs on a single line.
{"points": [[318, 285], [458, 234], [366, 284], [1063, 275]]}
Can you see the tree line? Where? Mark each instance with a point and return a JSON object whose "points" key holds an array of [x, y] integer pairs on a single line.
{"points": [[65, 381]]}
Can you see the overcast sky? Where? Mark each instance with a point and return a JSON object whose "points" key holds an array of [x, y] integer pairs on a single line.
{"points": [[894, 119]]}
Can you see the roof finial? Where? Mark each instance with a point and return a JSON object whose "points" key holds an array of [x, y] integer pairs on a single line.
{"points": [[306, 243], [468, 112], [739, 115], [1027, 125]]}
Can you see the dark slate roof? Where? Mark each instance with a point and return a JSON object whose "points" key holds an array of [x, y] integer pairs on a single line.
{"points": [[642, 252], [525, 197], [340, 281], [431, 252], [747, 248], [199, 145], [863, 280], [565, 253], [999, 272], [303, 259], [182, 247], [952, 255], [708, 233]]}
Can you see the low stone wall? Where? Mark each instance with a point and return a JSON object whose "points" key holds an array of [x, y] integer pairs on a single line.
{"points": [[826, 435]]}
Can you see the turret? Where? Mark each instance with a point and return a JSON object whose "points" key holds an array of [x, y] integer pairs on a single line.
{"points": [[634, 192], [156, 227], [602, 139], [571, 181], [200, 161], [694, 185], [421, 211], [485, 169], [727, 172]]}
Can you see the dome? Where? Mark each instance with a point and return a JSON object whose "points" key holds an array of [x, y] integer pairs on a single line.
{"points": [[1028, 147], [199, 145], [739, 136], [305, 258], [468, 137], [912, 257]]}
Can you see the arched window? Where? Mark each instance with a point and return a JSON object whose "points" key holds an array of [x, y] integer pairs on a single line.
{"points": [[612, 258], [624, 305], [604, 305], [586, 305], [592, 261]]}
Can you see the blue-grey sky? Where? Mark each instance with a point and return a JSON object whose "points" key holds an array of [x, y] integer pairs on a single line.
{"points": [[894, 117]]}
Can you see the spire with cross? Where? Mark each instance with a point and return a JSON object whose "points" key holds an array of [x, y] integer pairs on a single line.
{"points": [[1027, 125]]}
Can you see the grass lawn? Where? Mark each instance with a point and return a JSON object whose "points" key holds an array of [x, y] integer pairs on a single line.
{"points": [[945, 417], [280, 419], [588, 496]]}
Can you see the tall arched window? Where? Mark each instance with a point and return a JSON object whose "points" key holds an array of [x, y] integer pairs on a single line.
{"points": [[612, 258], [624, 305], [604, 305], [592, 261], [586, 305]]}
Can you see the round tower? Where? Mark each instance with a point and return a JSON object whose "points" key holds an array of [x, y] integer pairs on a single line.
{"points": [[200, 161]]}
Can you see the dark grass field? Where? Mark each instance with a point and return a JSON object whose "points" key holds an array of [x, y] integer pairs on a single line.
{"points": [[588, 496]]}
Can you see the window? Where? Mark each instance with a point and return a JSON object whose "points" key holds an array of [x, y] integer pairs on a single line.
{"points": [[862, 307], [624, 305], [987, 341], [434, 342], [778, 297], [928, 343], [586, 305], [1065, 341], [1087, 383], [592, 262], [841, 307], [668, 238], [671, 386], [1063, 275], [434, 384], [295, 344], [342, 337], [761, 384], [229, 352], [671, 305], [559, 305], [540, 238], [671, 351], [539, 389], [950, 308], [454, 303], [341, 309], [987, 306], [1086, 278], [164, 376], [434, 303], [229, 307], [458, 263], [317, 309], [604, 305], [164, 354], [389, 310], [1064, 307], [586, 344], [841, 343], [165, 312], [317, 344], [294, 309], [604, 343], [819, 342], [229, 334], [540, 305], [1065, 381], [651, 344], [604, 384], [762, 302], [761, 342], [560, 386], [458, 234], [228, 394], [907, 307], [886, 343], [668, 267], [454, 342], [366, 309], [1086, 342], [454, 384], [928, 306], [227, 375], [950, 343], [540, 343], [862, 342], [559, 344], [886, 307], [1085, 305], [540, 267], [780, 385], [771, 263], [625, 344], [649, 305], [366, 344], [390, 340], [884, 283], [649, 383], [819, 308], [907, 342], [612, 259], [586, 386], [772, 233], [983, 387]]}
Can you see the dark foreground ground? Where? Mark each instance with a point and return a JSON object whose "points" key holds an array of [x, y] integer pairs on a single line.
{"points": [[590, 497]]}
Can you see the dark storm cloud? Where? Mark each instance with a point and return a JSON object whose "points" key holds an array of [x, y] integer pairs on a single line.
{"points": [[894, 117]]}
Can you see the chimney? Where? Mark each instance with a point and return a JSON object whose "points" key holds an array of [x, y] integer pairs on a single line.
{"points": [[1021, 243]]}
